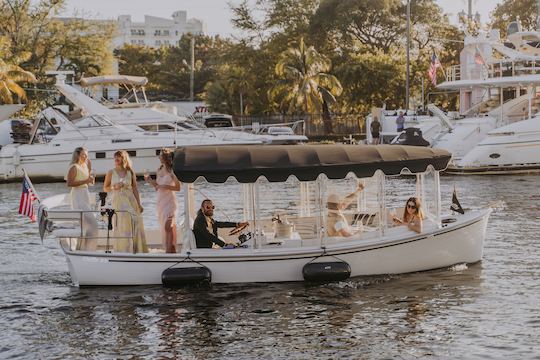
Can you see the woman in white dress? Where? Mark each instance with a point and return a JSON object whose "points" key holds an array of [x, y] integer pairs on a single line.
{"points": [[78, 177], [166, 185]]}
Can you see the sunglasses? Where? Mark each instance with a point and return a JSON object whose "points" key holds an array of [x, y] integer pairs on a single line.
{"points": [[411, 206], [210, 207]]}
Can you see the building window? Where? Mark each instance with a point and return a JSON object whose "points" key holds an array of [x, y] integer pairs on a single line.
{"points": [[176, 32], [158, 42], [157, 33], [133, 42], [166, 32]]}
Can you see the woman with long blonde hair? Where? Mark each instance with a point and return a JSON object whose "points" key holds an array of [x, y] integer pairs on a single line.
{"points": [[128, 228], [166, 185], [78, 178]]}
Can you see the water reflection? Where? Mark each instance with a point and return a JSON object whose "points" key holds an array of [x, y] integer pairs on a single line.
{"points": [[256, 318]]}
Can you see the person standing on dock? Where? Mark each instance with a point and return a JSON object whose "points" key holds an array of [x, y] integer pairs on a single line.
{"points": [[400, 122], [375, 129], [78, 178]]}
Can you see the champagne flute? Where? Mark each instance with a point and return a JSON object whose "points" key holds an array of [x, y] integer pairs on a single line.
{"points": [[93, 175], [146, 176]]}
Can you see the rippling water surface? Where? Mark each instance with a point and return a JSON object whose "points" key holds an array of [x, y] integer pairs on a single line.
{"points": [[485, 310]]}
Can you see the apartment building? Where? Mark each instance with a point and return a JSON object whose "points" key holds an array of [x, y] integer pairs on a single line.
{"points": [[156, 31]]}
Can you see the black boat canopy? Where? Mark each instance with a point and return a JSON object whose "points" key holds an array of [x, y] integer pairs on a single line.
{"points": [[246, 163]]}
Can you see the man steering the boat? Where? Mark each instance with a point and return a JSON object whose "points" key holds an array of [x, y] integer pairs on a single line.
{"points": [[205, 227]]}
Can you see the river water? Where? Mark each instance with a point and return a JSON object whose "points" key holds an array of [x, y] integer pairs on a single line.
{"points": [[488, 310]]}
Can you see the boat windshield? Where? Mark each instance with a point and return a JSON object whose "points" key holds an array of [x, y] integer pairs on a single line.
{"points": [[93, 121], [189, 126]]}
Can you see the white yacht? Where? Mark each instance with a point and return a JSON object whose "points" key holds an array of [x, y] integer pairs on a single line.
{"points": [[46, 152], [497, 129], [498, 83], [135, 109]]}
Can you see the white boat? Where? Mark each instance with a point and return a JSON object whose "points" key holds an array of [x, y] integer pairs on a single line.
{"points": [[135, 109], [498, 127], [53, 137], [296, 180]]}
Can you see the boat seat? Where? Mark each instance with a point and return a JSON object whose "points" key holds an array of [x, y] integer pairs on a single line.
{"points": [[306, 227]]}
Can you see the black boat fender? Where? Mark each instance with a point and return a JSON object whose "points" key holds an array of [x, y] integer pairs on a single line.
{"points": [[195, 275], [326, 271]]}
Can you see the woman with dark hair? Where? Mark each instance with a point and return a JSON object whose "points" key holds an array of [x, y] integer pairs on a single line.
{"points": [[166, 185], [128, 229], [412, 215], [78, 178]]}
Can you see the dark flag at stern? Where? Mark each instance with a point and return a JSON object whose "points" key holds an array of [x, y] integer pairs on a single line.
{"points": [[456, 206]]}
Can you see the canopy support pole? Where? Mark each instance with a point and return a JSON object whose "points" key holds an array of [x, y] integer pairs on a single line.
{"points": [[187, 214], [321, 229], [381, 199], [438, 198]]}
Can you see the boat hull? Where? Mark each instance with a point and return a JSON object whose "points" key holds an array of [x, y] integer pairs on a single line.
{"points": [[460, 242]]}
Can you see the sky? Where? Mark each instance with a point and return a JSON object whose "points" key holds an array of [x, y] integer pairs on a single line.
{"points": [[216, 13]]}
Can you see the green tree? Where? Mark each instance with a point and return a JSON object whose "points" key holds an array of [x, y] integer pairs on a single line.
{"points": [[371, 80], [525, 11], [10, 75], [305, 83]]}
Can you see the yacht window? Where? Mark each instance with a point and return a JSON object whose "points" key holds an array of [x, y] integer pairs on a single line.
{"points": [[186, 126], [166, 128], [132, 153], [100, 155], [158, 152], [149, 127], [93, 121]]}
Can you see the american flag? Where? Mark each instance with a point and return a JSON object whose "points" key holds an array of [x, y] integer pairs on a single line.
{"points": [[478, 58], [432, 72], [28, 196]]}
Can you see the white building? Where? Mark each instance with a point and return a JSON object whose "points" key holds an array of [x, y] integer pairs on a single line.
{"points": [[156, 31]]}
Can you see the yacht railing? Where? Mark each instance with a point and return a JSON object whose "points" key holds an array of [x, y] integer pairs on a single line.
{"points": [[493, 70]]}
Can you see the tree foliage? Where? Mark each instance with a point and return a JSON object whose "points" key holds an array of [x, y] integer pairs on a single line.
{"points": [[304, 81], [10, 77], [524, 11], [36, 40]]}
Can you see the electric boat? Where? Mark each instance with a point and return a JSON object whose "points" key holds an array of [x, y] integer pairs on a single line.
{"points": [[282, 192]]}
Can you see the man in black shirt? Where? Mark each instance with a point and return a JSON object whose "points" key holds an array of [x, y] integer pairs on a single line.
{"points": [[205, 227]]}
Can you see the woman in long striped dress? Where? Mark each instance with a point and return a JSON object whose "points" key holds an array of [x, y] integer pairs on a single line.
{"points": [[128, 227]]}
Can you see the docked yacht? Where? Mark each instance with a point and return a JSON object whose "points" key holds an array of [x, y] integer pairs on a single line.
{"points": [[297, 247], [46, 151], [135, 109], [502, 93], [497, 129]]}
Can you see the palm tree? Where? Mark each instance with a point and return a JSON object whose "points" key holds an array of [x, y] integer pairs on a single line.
{"points": [[305, 83], [10, 75], [238, 81]]}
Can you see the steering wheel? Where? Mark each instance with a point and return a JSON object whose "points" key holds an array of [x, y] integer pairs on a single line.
{"points": [[238, 229]]}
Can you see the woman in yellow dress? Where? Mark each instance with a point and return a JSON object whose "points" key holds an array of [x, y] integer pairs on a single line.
{"points": [[128, 227]]}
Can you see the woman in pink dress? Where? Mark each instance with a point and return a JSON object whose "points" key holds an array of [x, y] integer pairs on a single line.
{"points": [[166, 185]]}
